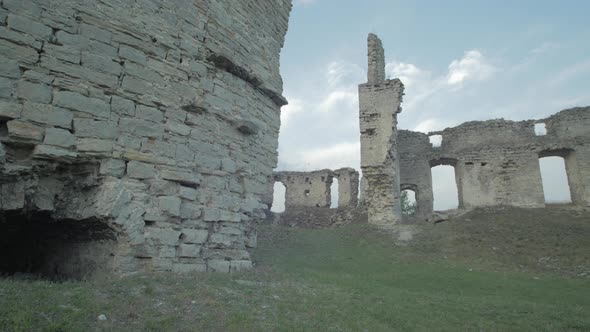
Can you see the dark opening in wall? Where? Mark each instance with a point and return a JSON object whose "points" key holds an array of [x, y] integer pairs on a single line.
{"points": [[279, 197], [35, 245]]}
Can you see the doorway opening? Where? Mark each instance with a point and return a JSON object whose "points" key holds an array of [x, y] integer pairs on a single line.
{"points": [[444, 185], [555, 180], [279, 197], [334, 193]]}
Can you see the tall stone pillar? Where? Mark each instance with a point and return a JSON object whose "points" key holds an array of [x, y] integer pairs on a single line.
{"points": [[379, 105]]}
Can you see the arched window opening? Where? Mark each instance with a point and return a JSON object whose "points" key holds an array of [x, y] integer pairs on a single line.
{"points": [[444, 188], [555, 180], [334, 193], [408, 202], [278, 199]]}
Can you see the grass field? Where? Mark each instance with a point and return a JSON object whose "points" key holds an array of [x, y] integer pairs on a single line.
{"points": [[508, 270]]}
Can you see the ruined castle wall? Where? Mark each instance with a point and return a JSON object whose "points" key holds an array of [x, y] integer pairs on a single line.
{"points": [[497, 161], [306, 189], [379, 104], [157, 118], [414, 154], [309, 195]]}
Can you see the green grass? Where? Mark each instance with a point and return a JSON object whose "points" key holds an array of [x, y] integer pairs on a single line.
{"points": [[348, 279]]}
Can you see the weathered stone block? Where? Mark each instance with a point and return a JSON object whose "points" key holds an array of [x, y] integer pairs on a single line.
{"points": [[133, 54], [7, 88], [219, 240], [129, 142], [34, 92], [163, 236], [100, 63], [47, 114], [164, 188], [114, 167], [63, 53], [26, 25], [183, 153], [21, 53], [27, 8], [142, 73], [228, 165], [59, 137], [149, 113], [177, 115], [190, 211], [75, 101], [9, 68], [10, 110], [95, 145], [92, 128], [92, 32], [122, 106], [182, 177], [170, 205], [195, 236], [132, 84], [188, 193], [36, 76], [24, 130], [178, 128], [141, 127], [189, 250], [139, 170], [158, 148], [53, 153]]}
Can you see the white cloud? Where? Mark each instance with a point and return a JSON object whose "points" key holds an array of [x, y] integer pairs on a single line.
{"points": [[472, 66], [408, 73], [344, 98], [288, 111], [341, 73]]}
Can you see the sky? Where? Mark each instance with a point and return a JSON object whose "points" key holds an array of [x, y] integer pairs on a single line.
{"points": [[459, 61]]}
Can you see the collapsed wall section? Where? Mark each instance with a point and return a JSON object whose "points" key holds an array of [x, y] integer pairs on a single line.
{"points": [[154, 121]]}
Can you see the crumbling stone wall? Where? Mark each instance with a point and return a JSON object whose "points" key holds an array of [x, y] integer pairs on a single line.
{"points": [[157, 119], [379, 104], [308, 198], [497, 161]]}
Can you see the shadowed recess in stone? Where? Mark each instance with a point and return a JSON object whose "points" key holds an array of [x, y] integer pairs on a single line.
{"points": [[37, 245]]}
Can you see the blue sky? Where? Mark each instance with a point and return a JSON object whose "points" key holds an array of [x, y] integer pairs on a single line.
{"points": [[460, 61]]}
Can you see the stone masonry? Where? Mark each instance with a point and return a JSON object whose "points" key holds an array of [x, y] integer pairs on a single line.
{"points": [[136, 135], [308, 198], [379, 103], [497, 161]]}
